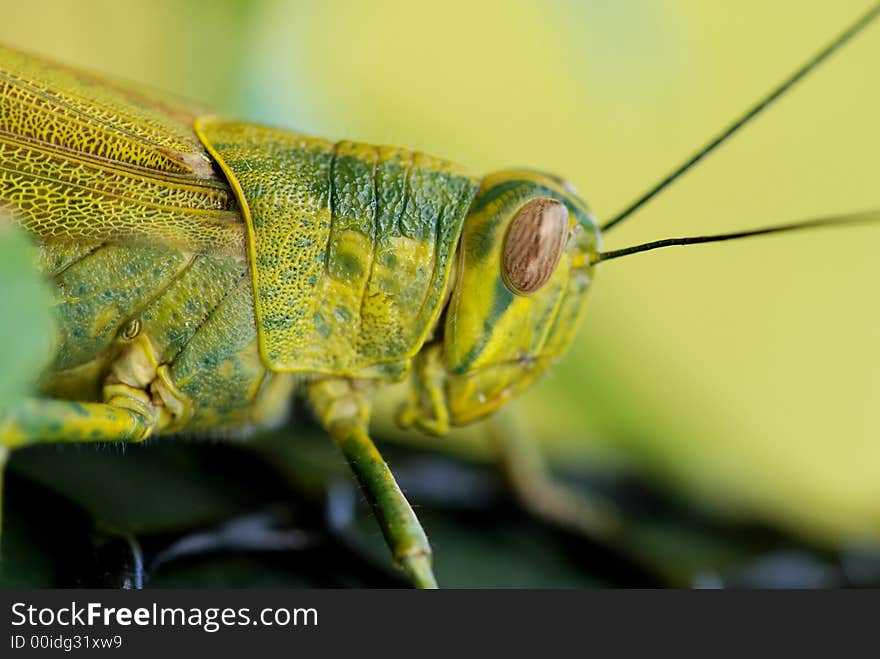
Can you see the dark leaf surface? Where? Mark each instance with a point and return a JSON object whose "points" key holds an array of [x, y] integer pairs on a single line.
{"points": [[281, 511]]}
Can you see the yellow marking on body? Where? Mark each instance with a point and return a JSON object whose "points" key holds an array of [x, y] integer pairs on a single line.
{"points": [[107, 316]]}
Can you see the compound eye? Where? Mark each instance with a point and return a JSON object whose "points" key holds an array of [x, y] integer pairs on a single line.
{"points": [[534, 244]]}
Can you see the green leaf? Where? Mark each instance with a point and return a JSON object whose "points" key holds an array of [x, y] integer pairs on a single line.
{"points": [[25, 306]]}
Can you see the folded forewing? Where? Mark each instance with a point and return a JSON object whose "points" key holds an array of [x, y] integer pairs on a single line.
{"points": [[86, 159]]}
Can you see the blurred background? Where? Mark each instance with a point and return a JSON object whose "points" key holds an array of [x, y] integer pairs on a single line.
{"points": [[739, 381]]}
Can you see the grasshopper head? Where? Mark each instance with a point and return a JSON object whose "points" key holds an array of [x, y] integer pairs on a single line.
{"points": [[523, 273]]}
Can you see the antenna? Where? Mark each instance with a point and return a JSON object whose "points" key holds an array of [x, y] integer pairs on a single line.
{"points": [[750, 114], [866, 217]]}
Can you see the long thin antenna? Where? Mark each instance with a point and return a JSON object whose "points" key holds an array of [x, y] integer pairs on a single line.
{"points": [[867, 217], [750, 114]]}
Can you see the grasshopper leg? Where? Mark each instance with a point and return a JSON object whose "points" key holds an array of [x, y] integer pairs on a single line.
{"points": [[343, 407], [532, 484], [45, 420], [426, 408]]}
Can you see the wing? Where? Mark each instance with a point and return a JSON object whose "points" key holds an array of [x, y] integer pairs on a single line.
{"points": [[85, 159]]}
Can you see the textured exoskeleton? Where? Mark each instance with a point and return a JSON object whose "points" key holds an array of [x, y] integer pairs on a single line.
{"points": [[205, 270]]}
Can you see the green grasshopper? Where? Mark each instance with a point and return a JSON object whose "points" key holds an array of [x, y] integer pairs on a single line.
{"points": [[206, 270]]}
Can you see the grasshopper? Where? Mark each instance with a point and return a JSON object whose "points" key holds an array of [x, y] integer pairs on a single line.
{"points": [[206, 270]]}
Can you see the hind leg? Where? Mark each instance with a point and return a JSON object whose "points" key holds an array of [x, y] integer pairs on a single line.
{"points": [[45, 420]]}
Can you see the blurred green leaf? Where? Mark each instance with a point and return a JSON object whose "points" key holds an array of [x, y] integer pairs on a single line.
{"points": [[25, 306]]}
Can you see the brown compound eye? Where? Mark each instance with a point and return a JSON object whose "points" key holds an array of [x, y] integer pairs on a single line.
{"points": [[534, 244]]}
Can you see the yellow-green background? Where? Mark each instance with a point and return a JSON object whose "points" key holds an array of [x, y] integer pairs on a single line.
{"points": [[747, 375]]}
